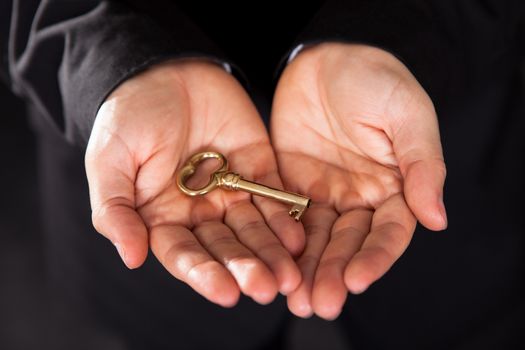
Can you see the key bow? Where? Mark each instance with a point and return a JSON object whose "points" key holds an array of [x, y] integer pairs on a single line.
{"points": [[191, 166]]}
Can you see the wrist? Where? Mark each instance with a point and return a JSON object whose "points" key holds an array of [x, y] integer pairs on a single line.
{"points": [[180, 73], [358, 53]]}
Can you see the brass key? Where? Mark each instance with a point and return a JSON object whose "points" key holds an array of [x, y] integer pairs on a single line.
{"points": [[232, 181]]}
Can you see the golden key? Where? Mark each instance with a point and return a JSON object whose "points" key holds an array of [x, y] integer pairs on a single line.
{"points": [[229, 180]]}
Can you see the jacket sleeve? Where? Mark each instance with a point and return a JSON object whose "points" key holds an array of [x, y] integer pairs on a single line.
{"points": [[66, 56], [447, 45]]}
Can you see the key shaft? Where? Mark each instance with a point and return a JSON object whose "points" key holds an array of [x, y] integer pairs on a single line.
{"points": [[235, 182]]}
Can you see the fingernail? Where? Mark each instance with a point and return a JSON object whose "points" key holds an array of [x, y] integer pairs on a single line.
{"points": [[307, 311], [121, 252], [358, 288], [443, 212], [304, 310]]}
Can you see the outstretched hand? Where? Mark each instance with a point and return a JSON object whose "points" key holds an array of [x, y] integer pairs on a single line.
{"points": [[353, 129], [220, 244]]}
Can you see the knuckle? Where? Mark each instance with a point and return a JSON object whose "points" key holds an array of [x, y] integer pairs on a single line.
{"points": [[334, 261], [222, 243], [243, 260], [315, 229], [174, 253], [441, 168], [253, 225], [196, 270], [309, 261], [272, 247], [97, 219]]}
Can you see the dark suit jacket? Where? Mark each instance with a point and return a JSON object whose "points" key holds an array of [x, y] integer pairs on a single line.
{"points": [[460, 289], [66, 56]]}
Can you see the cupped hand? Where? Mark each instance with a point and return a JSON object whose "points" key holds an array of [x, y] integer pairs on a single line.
{"points": [[353, 129], [220, 244]]}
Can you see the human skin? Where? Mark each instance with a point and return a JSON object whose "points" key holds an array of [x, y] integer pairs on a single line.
{"points": [[353, 129], [220, 244]]}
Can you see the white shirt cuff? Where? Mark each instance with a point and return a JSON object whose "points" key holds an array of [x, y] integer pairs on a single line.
{"points": [[294, 53]]}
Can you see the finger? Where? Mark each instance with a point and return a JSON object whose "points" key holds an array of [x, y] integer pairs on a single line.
{"points": [[393, 225], [424, 181], [182, 255], [329, 292], [290, 232], [417, 146], [259, 164], [251, 230], [111, 175], [318, 223], [252, 275]]}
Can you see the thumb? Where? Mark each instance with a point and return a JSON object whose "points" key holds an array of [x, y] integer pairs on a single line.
{"points": [[418, 150], [111, 177]]}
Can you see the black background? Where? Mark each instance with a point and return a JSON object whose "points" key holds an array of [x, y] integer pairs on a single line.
{"points": [[463, 288]]}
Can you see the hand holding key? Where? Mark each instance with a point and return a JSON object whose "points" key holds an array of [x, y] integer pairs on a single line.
{"points": [[220, 245], [370, 167]]}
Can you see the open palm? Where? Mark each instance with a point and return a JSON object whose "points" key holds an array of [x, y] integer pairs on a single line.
{"points": [[354, 130], [219, 244]]}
